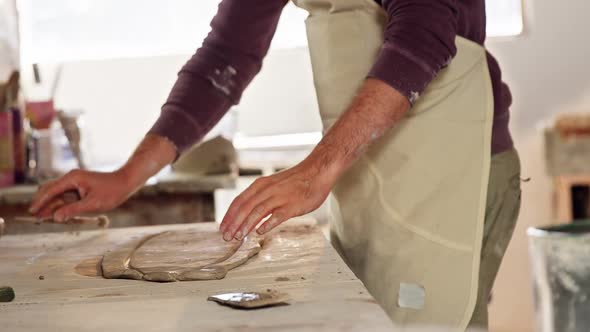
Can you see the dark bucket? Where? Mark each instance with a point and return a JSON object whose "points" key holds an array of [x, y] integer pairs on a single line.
{"points": [[560, 257]]}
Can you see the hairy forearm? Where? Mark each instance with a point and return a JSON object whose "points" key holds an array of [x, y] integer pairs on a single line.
{"points": [[153, 153], [302, 188], [376, 109]]}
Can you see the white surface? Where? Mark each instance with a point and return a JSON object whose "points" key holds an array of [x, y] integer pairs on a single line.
{"points": [[9, 50], [284, 141], [131, 28], [505, 18], [139, 28], [281, 99]]}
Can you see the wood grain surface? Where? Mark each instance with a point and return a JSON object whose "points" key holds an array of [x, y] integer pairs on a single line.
{"points": [[59, 288]]}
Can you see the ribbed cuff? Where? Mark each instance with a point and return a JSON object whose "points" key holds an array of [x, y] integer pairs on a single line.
{"points": [[397, 69], [187, 117], [178, 128]]}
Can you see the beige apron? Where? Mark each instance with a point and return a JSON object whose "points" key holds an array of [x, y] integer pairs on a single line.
{"points": [[411, 211]]}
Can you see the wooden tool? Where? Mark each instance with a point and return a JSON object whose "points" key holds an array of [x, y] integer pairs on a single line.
{"points": [[100, 221], [69, 197], [2, 227]]}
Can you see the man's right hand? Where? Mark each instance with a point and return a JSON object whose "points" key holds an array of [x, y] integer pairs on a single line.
{"points": [[99, 192]]}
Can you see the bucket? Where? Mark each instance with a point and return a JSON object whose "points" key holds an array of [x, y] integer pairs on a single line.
{"points": [[560, 257]]}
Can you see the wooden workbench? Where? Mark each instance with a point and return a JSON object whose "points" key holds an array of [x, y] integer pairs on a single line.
{"points": [[296, 258]]}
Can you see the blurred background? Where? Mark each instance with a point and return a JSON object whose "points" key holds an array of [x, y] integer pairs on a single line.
{"points": [[104, 68]]}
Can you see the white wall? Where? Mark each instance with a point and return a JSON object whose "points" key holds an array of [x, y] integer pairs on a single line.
{"points": [[9, 55], [548, 71], [282, 98], [122, 98]]}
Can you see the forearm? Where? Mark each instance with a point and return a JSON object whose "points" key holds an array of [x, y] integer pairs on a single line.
{"points": [[153, 153], [419, 42], [376, 109]]}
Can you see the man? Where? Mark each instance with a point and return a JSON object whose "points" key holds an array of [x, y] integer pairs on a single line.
{"points": [[408, 97]]}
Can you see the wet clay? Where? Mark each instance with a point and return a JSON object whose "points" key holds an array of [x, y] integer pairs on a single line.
{"points": [[178, 256], [90, 267]]}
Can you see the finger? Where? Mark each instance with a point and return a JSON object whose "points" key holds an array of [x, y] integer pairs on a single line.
{"points": [[49, 208], [234, 208], [239, 202], [258, 213], [234, 224], [50, 190], [278, 217], [40, 192], [74, 209]]}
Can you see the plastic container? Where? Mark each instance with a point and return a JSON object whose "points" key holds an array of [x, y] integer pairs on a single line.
{"points": [[560, 257]]}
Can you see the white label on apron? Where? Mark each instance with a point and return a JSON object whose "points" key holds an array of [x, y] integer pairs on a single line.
{"points": [[411, 296]]}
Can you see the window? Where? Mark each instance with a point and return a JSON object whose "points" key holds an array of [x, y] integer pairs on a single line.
{"points": [[62, 30], [504, 18], [9, 59]]}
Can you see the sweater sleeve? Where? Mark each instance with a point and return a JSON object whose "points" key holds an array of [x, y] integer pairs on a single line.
{"points": [[419, 41], [216, 75]]}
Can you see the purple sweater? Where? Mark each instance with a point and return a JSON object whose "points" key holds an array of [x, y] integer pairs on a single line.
{"points": [[419, 41]]}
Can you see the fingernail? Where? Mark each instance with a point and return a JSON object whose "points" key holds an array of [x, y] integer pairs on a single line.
{"points": [[227, 236], [239, 236], [261, 230]]}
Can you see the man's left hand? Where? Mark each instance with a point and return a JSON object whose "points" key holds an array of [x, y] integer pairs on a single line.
{"points": [[376, 108], [290, 193]]}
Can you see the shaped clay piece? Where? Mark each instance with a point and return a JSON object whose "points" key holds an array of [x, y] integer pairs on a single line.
{"points": [[178, 256]]}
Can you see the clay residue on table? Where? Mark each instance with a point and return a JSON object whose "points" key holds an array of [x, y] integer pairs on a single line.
{"points": [[297, 229], [108, 295]]}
